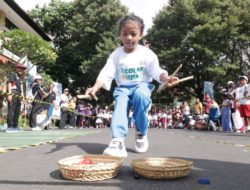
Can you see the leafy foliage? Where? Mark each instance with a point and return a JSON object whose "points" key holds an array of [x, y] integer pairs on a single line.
{"points": [[84, 33], [209, 37], [54, 19], [40, 52]]}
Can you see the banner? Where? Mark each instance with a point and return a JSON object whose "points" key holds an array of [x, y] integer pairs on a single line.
{"points": [[58, 90], [209, 88]]}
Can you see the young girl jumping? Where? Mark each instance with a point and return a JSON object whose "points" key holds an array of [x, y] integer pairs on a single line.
{"points": [[133, 67]]}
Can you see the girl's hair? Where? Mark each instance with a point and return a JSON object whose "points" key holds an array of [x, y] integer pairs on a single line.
{"points": [[131, 17]]}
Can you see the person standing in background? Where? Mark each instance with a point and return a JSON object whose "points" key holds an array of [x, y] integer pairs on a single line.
{"points": [[71, 112], [244, 101], [64, 108], [186, 113], [230, 93], [50, 98], [226, 113], [14, 89], [38, 94]]}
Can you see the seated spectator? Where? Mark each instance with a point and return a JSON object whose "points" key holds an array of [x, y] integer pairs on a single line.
{"points": [[207, 103], [198, 108]]}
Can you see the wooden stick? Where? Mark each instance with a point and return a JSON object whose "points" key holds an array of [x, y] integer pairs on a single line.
{"points": [[161, 87], [176, 71], [185, 79], [86, 96], [164, 85]]}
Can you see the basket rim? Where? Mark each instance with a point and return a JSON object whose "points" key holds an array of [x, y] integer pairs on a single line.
{"points": [[93, 172], [63, 162], [142, 163]]}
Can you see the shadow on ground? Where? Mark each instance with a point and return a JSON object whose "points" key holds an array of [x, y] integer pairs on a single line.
{"points": [[222, 176], [90, 148]]}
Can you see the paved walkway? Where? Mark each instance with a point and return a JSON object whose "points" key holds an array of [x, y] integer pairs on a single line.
{"points": [[222, 158]]}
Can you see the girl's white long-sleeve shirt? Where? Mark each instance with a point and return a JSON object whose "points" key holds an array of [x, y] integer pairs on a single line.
{"points": [[141, 65]]}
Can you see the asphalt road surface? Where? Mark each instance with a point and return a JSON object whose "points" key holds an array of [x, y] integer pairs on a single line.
{"points": [[222, 158]]}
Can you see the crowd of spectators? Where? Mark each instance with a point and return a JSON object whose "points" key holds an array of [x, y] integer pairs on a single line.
{"points": [[232, 114], [205, 114]]}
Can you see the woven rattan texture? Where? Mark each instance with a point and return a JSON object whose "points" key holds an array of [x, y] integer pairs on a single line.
{"points": [[103, 167], [162, 168]]}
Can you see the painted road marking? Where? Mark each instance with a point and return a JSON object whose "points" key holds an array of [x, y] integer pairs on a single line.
{"points": [[29, 139]]}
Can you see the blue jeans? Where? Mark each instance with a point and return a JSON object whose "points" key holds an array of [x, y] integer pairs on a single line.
{"points": [[136, 97]]}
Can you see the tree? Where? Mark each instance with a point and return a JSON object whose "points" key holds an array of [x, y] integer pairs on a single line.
{"points": [[55, 19], [209, 37], [85, 32], [39, 52]]}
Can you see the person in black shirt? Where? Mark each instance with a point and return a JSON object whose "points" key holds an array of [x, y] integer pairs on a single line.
{"points": [[50, 98], [14, 88], [38, 94]]}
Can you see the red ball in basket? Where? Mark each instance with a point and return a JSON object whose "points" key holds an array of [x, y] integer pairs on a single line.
{"points": [[86, 161]]}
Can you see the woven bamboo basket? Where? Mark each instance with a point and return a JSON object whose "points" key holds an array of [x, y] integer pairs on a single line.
{"points": [[102, 167], [161, 168]]}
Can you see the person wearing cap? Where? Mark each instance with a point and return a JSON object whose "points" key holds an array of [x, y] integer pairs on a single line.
{"points": [[38, 94], [231, 89], [244, 78], [242, 95], [15, 90]]}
